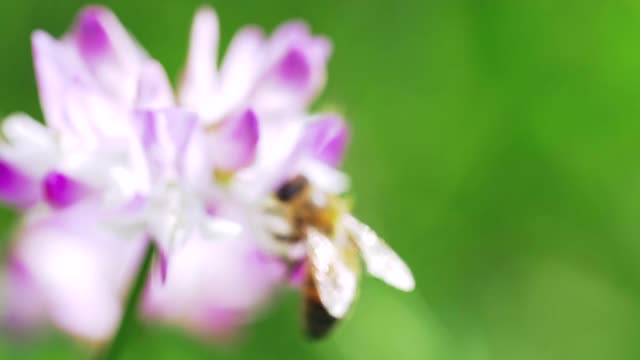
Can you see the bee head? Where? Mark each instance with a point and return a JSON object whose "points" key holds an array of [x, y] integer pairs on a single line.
{"points": [[292, 189]]}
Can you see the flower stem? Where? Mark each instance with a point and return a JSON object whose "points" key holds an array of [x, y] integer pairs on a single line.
{"points": [[129, 320]]}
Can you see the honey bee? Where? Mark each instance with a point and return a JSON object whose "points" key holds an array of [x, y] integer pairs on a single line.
{"points": [[333, 243]]}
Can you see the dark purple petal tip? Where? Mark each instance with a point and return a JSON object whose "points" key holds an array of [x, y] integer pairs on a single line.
{"points": [[61, 191], [294, 69], [91, 36]]}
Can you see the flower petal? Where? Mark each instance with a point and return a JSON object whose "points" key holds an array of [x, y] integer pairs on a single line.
{"points": [[197, 88], [314, 151], [22, 303], [277, 154], [154, 88], [166, 135], [92, 117], [235, 143], [79, 270], [111, 54], [294, 69], [240, 70], [61, 191], [199, 302], [296, 65], [327, 139], [91, 36], [17, 188], [55, 66], [325, 178], [28, 143]]}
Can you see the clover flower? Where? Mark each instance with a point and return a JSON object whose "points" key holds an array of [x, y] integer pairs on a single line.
{"points": [[203, 174]]}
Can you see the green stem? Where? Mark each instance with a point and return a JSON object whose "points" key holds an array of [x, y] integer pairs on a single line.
{"points": [[129, 319]]}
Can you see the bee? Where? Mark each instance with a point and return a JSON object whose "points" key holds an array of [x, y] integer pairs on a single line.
{"points": [[333, 242]]}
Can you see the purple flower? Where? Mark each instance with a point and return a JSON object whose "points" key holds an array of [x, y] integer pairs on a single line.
{"points": [[122, 160]]}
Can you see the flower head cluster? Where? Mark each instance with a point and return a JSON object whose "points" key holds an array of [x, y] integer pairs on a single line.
{"points": [[122, 160]]}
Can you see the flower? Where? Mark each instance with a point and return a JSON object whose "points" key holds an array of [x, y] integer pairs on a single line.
{"points": [[122, 161], [116, 162]]}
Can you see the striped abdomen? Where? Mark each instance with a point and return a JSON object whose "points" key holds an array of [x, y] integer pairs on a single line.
{"points": [[317, 320]]}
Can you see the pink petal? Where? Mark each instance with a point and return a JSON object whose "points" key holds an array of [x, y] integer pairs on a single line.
{"points": [[98, 54], [91, 36], [100, 36], [112, 55], [324, 140], [79, 270], [22, 307], [296, 69], [234, 145], [166, 135], [328, 138], [61, 191], [212, 302], [221, 322], [17, 188]]}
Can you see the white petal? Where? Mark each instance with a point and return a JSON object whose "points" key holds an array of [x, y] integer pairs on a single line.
{"points": [[216, 228], [325, 177], [240, 69], [30, 144], [198, 86]]}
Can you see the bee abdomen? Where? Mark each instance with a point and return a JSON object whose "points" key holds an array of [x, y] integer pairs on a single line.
{"points": [[318, 321]]}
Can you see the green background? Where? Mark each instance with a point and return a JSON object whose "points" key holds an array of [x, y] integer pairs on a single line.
{"points": [[495, 147]]}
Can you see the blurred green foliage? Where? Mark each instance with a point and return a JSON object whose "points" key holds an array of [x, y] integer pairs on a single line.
{"points": [[495, 148]]}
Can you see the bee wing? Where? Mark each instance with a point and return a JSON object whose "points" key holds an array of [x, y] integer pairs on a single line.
{"points": [[382, 262], [336, 282]]}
